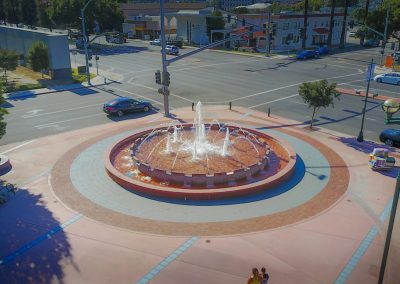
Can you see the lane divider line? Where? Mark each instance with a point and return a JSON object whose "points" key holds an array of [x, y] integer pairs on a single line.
{"points": [[363, 247], [17, 147], [166, 261], [39, 240]]}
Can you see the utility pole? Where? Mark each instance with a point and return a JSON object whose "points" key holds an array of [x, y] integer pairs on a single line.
{"points": [[85, 40], [164, 88], [385, 34], [370, 73], [269, 31]]}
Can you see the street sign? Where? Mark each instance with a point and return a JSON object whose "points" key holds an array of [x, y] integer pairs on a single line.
{"points": [[81, 70], [370, 72]]}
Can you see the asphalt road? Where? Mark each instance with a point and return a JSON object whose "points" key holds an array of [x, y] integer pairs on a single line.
{"points": [[213, 78]]}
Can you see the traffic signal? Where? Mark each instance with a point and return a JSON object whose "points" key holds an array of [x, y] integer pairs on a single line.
{"points": [[274, 28], [166, 79], [251, 28], [271, 37], [229, 18], [90, 57], [97, 58], [264, 28], [301, 32], [158, 77], [243, 22], [392, 46]]}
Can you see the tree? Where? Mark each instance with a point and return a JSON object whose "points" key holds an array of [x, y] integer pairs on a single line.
{"points": [[43, 15], [304, 35], [318, 94], [11, 11], [28, 11], [8, 61], [38, 57], [344, 27], [3, 112], [215, 22], [331, 22], [2, 11]]}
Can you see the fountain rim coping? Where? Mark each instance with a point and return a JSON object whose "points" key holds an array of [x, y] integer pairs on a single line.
{"points": [[157, 190]]}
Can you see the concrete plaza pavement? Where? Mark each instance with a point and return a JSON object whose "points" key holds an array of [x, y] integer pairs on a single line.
{"points": [[46, 240]]}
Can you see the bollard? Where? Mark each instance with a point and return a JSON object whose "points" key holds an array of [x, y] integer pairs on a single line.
{"points": [[192, 106], [230, 105], [269, 111]]}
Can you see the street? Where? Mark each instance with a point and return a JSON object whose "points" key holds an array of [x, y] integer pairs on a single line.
{"points": [[212, 77]]}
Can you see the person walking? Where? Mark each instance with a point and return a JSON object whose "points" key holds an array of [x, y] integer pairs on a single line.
{"points": [[255, 278], [264, 276]]}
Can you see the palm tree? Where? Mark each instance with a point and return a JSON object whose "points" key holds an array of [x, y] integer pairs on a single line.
{"points": [[332, 22], [304, 35], [344, 24]]}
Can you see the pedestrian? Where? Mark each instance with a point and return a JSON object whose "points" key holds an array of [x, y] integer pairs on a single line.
{"points": [[264, 276], [255, 278]]}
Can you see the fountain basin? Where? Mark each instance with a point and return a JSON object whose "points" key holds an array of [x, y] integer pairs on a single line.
{"points": [[273, 164]]}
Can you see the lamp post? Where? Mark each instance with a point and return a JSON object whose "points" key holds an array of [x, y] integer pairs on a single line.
{"points": [[390, 229], [85, 40], [370, 73], [390, 107], [268, 47]]}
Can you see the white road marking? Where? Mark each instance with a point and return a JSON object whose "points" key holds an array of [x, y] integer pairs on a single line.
{"points": [[371, 119], [17, 147], [299, 103], [154, 89], [58, 111], [55, 126], [67, 120], [277, 100], [34, 111], [292, 85]]}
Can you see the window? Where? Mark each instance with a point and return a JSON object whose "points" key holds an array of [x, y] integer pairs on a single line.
{"points": [[285, 26]]}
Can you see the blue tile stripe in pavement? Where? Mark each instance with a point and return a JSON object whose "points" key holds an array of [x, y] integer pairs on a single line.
{"points": [[166, 261], [39, 240], [362, 248]]}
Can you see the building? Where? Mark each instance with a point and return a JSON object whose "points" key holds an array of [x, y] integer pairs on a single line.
{"points": [[285, 30], [20, 40], [148, 27], [153, 9]]}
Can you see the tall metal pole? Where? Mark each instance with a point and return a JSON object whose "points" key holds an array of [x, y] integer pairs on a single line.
{"points": [[269, 31], [360, 137], [390, 229], [85, 40], [165, 90]]}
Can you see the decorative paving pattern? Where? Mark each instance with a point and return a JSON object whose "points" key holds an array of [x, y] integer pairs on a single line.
{"points": [[92, 193]]}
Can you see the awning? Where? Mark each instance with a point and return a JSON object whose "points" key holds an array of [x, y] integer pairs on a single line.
{"points": [[321, 31]]}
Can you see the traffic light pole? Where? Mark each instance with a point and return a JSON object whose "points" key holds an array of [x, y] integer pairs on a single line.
{"points": [[360, 137], [165, 90], [269, 32], [85, 41]]}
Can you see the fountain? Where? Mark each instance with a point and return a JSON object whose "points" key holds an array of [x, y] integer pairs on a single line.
{"points": [[200, 160]]}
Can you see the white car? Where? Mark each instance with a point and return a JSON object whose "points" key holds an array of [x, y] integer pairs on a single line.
{"points": [[155, 42], [390, 78]]}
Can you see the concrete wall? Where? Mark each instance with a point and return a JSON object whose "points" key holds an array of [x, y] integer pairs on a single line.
{"points": [[20, 40], [192, 28]]}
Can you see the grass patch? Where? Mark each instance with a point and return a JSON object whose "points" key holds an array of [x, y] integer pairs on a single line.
{"points": [[80, 78], [14, 86], [24, 71]]}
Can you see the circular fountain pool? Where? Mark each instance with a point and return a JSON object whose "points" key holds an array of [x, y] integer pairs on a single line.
{"points": [[199, 161]]}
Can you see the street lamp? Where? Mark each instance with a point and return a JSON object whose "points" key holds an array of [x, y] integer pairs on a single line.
{"points": [[164, 89], [390, 229], [85, 40], [370, 73]]}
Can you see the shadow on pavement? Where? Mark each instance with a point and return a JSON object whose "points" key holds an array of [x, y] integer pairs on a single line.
{"points": [[33, 247], [367, 147], [106, 50]]}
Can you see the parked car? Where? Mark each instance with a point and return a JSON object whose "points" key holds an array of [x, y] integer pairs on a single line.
{"points": [[172, 49], [130, 34], [352, 34], [124, 105], [371, 43], [156, 42], [390, 137], [389, 78], [323, 50], [305, 54]]}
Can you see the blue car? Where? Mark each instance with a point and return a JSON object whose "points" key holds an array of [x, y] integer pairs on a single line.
{"points": [[390, 137], [323, 50], [124, 105], [306, 54]]}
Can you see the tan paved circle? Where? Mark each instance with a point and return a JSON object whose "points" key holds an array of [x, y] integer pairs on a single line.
{"points": [[336, 186]]}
